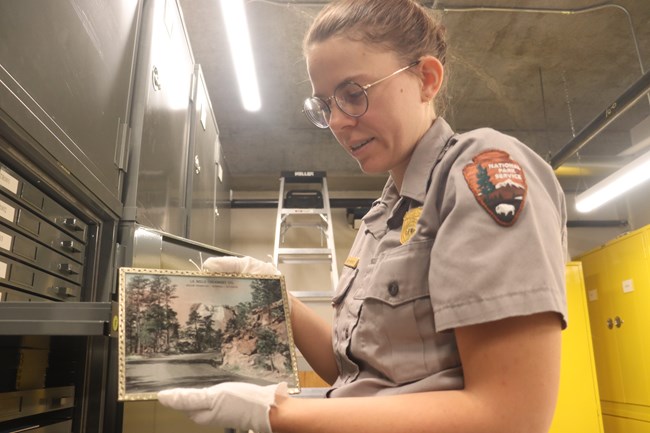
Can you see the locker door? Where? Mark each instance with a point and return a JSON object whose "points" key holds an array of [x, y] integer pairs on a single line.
{"points": [[629, 279], [168, 65], [203, 169], [600, 300], [578, 406]]}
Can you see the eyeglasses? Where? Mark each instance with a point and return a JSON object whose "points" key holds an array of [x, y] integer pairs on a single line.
{"points": [[350, 97]]}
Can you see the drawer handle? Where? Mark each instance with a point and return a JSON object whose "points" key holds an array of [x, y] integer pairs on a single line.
{"points": [[70, 246], [33, 427], [72, 224], [66, 268], [610, 323], [64, 292]]}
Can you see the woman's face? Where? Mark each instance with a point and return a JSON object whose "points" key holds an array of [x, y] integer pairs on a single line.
{"points": [[398, 114]]}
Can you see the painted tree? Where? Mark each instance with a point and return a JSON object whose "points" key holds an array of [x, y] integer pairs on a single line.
{"points": [[484, 183], [136, 294], [268, 345], [264, 293]]}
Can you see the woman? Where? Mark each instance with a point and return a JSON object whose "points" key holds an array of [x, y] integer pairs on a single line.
{"points": [[451, 303]]}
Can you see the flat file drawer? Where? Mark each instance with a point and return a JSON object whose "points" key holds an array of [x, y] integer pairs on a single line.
{"points": [[12, 295], [20, 404], [24, 277], [25, 221], [28, 195], [20, 247]]}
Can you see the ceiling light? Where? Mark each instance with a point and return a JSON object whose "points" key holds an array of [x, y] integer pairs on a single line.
{"points": [[234, 18], [629, 176]]}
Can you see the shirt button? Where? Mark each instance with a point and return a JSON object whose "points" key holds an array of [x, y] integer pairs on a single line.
{"points": [[393, 288]]}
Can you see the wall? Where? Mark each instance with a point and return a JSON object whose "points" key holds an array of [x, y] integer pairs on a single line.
{"points": [[253, 231]]}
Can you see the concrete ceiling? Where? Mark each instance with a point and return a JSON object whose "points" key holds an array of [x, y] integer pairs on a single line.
{"points": [[541, 74]]}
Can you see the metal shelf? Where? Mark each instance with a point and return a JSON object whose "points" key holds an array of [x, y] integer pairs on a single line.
{"points": [[56, 318]]}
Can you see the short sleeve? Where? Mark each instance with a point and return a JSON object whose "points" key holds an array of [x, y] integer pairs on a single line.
{"points": [[500, 249]]}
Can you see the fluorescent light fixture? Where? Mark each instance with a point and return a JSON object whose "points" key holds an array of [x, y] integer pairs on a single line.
{"points": [[619, 182], [234, 18]]}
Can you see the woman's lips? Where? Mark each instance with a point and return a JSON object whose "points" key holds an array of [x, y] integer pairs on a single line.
{"points": [[356, 147]]}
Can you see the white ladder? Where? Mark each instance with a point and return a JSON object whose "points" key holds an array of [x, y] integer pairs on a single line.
{"points": [[309, 208]]}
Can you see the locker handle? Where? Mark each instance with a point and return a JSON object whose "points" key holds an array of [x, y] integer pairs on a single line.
{"points": [[69, 245], [64, 292], [618, 321], [67, 269], [72, 224], [610, 323]]}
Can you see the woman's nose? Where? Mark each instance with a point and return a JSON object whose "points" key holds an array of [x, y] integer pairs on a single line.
{"points": [[338, 119]]}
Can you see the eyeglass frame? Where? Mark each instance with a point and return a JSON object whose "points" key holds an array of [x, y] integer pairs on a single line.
{"points": [[365, 91]]}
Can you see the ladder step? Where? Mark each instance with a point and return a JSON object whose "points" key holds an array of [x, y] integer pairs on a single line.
{"points": [[302, 211], [304, 255], [304, 251], [314, 295]]}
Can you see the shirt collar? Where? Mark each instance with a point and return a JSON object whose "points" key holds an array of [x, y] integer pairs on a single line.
{"points": [[417, 174], [424, 158]]}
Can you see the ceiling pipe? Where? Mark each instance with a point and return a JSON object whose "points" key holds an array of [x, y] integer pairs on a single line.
{"points": [[596, 223], [334, 203], [635, 92]]}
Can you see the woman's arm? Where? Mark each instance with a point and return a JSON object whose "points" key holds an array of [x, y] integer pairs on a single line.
{"points": [[313, 337], [511, 370]]}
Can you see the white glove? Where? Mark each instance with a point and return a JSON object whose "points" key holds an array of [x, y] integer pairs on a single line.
{"points": [[238, 405], [239, 265]]}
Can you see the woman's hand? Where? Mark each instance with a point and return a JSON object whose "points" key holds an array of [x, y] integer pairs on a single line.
{"points": [[239, 265], [238, 405]]}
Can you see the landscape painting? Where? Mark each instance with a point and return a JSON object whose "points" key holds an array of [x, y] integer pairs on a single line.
{"points": [[197, 329]]}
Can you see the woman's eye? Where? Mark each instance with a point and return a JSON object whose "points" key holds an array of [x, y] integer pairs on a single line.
{"points": [[354, 96]]}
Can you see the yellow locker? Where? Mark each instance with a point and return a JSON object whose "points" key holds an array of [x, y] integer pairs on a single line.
{"points": [[617, 280], [578, 406], [625, 425]]}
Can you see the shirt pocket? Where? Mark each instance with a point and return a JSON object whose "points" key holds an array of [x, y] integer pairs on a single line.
{"points": [[400, 276], [395, 333]]}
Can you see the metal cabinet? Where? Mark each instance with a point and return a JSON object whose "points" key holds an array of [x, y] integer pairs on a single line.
{"points": [[56, 249], [66, 74], [105, 123], [158, 163], [209, 197], [617, 280]]}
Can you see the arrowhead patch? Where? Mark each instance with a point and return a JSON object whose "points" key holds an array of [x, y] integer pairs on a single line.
{"points": [[498, 184]]}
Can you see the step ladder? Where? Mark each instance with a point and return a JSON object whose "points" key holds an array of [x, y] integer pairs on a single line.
{"points": [[304, 202]]}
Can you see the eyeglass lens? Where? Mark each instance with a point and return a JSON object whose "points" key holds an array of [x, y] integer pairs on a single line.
{"points": [[349, 97]]}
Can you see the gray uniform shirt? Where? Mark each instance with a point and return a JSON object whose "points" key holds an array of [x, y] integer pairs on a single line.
{"points": [[476, 236]]}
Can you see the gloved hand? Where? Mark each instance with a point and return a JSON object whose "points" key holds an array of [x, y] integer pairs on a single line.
{"points": [[238, 405], [239, 265]]}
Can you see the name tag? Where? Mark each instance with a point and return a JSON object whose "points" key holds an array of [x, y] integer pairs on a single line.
{"points": [[352, 262]]}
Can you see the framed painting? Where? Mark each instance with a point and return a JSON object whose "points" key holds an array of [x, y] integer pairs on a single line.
{"points": [[196, 329]]}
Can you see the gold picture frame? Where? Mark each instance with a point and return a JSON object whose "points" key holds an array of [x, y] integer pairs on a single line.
{"points": [[196, 329]]}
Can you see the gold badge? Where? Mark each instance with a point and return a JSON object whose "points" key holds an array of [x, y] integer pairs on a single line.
{"points": [[408, 224], [352, 262]]}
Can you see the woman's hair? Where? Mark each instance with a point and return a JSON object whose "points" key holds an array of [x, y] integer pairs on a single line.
{"points": [[402, 26]]}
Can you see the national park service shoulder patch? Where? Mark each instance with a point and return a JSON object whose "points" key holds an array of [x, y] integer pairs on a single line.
{"points": [[498, 184]]}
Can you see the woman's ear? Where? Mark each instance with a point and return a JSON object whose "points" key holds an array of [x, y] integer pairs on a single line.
{"points": [[432, 73]]}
